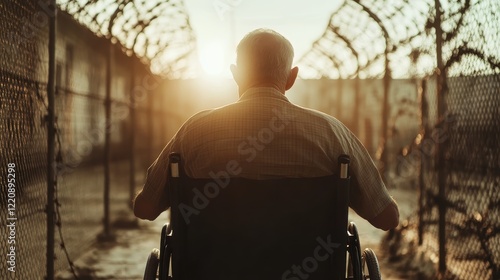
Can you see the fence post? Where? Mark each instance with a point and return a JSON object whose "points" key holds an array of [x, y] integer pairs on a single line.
{"points": [[385, 113], [440, 162], [423, 132], [132, 133], [51, 137], [107, 140], [357, 104], [163, 113], [151, 120]]}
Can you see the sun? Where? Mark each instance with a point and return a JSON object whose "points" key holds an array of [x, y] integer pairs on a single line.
{"points": [[213, 59]]}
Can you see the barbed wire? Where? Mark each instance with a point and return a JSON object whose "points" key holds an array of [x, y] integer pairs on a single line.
{"points": [[157, 31], [360, 34]]}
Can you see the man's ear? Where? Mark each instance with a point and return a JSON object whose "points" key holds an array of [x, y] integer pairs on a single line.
{"points": [[291, 77], [236, 74]]}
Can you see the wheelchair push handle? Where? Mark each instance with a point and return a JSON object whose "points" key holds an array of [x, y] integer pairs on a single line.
{"points": [[344, 161], [174, 159]]}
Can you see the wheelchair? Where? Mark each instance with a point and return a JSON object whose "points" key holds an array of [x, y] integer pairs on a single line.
{"points": [[234, 228]]}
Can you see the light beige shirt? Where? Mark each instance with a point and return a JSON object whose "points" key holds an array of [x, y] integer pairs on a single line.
{"points": [[263, 135]]}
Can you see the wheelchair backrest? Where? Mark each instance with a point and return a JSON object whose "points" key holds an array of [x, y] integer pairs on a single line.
{"points": [[235, 228]]}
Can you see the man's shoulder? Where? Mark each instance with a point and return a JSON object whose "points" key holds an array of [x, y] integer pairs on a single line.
{"points": [[317, 115], [208, 115], [198, 117]]}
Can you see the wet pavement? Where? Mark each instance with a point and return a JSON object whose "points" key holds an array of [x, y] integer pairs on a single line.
{"points": [[125, 257]]}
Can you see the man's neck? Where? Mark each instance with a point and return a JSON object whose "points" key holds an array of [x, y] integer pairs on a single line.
{"points": [[262, 84]]}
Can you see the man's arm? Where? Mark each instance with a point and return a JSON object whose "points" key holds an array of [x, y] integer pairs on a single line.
{"points": [[368, 193], [388, 218], [153, 198], [146, 209]]}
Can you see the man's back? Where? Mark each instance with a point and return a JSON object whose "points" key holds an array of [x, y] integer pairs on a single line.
{"points": [[267, 136]]}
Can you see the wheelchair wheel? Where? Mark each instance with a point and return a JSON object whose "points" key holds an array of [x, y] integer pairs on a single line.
{"points": [[371, 268], [151, 270]]}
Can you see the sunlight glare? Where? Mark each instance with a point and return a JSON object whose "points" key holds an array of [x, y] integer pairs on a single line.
{"points": [[213, 58]]}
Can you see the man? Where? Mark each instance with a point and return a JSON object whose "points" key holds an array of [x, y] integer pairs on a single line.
{"points": [[263, 135]]}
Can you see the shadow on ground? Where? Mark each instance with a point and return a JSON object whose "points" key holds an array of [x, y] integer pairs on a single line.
{"points": [[124, 257]]}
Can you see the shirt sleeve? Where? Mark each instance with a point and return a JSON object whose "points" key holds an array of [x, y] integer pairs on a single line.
{"points": [[368, 193], [154, 189]]}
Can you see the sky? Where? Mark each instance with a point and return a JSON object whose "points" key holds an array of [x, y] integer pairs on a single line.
{"points": [[220, 24]]}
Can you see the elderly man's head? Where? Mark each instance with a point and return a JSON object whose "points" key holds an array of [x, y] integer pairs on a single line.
{"points": [[264, 58]]}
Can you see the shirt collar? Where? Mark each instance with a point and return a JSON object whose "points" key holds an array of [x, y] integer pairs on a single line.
{"points": [[259, 92]]}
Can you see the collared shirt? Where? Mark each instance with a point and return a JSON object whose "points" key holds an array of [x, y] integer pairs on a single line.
{"points": [[263, 135]]}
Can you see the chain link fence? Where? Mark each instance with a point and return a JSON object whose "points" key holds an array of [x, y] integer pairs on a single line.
{"points": [[23, 107], [455, 157], [105, 101], [467, 135]]}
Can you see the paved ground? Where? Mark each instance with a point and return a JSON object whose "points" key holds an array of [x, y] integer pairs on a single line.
{"points": [[125, 258]]}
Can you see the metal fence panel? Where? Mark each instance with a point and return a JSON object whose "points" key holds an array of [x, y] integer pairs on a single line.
{"points": [[23, 107]]}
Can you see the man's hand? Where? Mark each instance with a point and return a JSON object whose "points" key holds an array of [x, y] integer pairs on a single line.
{"points": [[147, 210], [388, 219]]}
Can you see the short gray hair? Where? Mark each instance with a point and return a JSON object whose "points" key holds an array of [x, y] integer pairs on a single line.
{"points": [[264, 53]]}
